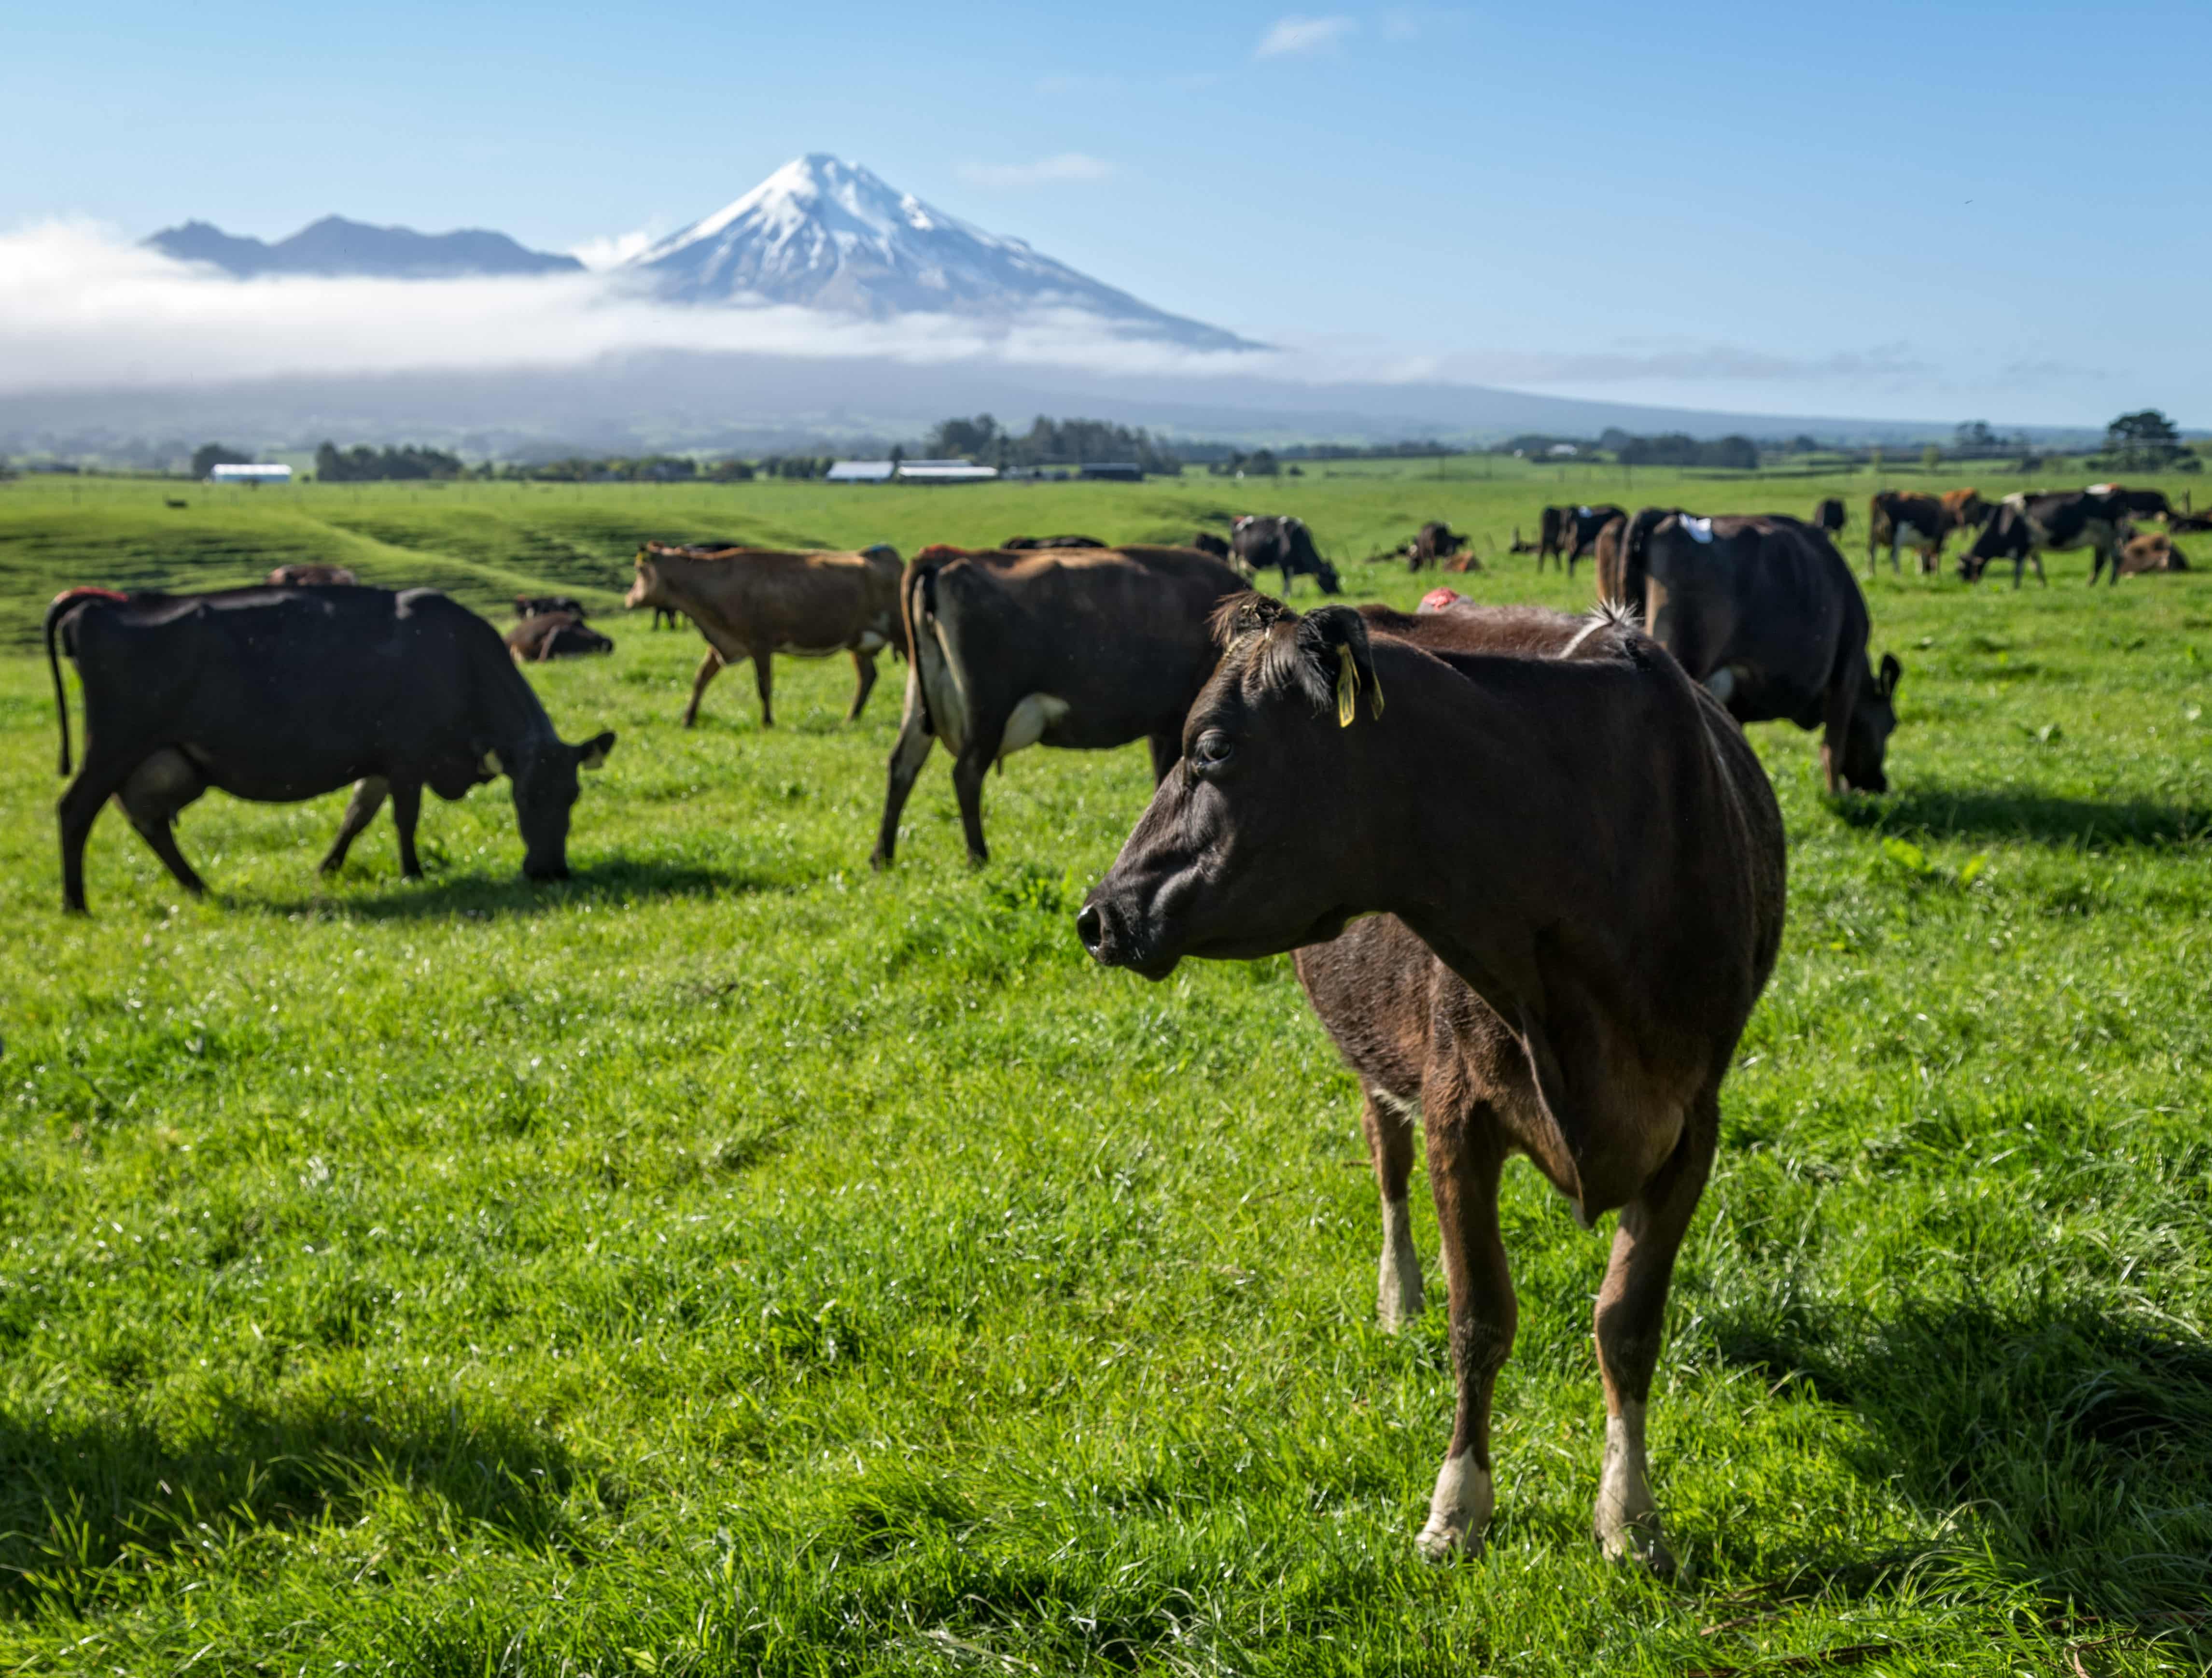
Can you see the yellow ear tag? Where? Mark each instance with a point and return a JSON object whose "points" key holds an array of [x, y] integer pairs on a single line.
{"points": [[1347, 686]]}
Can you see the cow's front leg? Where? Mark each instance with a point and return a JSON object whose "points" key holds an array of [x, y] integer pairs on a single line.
{"points": [[1464, 1159], [406, 810], [764, 660], [361, 810], [1631, 1309], [1389, 1123]]}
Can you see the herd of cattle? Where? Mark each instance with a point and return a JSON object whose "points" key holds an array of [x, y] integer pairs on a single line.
{"points": [[1550, 950]]}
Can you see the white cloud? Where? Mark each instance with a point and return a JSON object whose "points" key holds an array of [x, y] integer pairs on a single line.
{"points": [[1294, 35], [1066, 166], [613, 250]]}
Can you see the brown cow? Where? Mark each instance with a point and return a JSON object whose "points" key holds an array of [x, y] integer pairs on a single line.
{"points": [[1434, 543], [1521, 988], [1207, 542], [1899, 520], [752, 603], [2153, 550], [1081, 649], [1967, 509], [312, 577], [555, 634]]}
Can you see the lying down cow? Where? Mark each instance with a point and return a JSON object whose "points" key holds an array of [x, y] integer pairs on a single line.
{"points": [[278, 695], [1083, 649], [1516, 987]]}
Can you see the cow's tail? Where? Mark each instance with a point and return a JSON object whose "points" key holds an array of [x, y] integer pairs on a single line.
{"points": [[64, 603], [1635, 556], [931, 652]]}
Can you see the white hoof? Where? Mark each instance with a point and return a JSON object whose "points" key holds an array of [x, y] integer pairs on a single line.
{"points": [[1458, 1510], [1627, 1525]]}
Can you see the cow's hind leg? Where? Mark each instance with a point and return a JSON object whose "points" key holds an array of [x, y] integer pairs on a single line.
{"points": [[97, 779], [709, 668], [969, 769], [156, 790], [1464, 1160], [863, 670], [907, 755], [361, 810], [1389, 1123], [764, 682], [1631, 1309], [406, 810]]}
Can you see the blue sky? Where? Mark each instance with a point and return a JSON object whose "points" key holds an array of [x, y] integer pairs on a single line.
{"points": [[1929, 211]]}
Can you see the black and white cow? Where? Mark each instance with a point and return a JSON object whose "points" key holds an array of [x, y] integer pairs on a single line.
{"points": [[2026, 525], [1285, 544]]}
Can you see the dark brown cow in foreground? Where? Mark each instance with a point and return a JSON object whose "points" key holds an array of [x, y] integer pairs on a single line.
{"points": [[1831, 516], [312, 577], [1023, 544], [1081, 649], [1583, 526], [1434, 543], [1574, 865], [753, 603], [2026, 525], [1767, 614], [1896, 520], [555, 634]]}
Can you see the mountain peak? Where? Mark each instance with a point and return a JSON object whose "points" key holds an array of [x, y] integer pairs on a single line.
{"points": [[832, 235]]}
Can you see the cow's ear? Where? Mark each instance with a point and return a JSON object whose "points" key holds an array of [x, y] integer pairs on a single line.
{"points": [[1892, 672], [594, 752], [1335, 640]]}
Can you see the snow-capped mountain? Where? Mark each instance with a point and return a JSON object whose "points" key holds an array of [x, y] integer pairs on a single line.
{"points": [[829, 235]]}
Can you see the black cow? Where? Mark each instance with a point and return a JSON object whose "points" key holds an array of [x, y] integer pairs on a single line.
{"points": [[1207, 542], [1579, 527], [283, 693], [1551, 534], [2026, 525], [1022, 545], [2140, 504], [536, 605], [1285, 543], [1765, 611], [555, 634], [1434, 543], [1830, 516]]}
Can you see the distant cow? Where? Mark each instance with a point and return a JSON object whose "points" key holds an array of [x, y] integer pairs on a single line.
{"points": [[1830, 516], [1082, 650], [1533, 903], [1284, 544], [1435, 544], [174, 504], [1518, 546], [1767, 614], [1551, 535], [1578, 534], [1021, 544], [555, 634], [1967, 509], [1897, 520], [1207, 542], [2026, 525], [2140, 504], [283, 693], [2153, 550], [753, 603], [534, 606], [312, 577]]}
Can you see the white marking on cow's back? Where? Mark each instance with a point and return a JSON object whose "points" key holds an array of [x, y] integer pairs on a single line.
{"points": [[1026, 723], [1700, 530]]}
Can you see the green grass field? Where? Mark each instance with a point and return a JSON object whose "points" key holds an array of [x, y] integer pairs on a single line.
{"points": [[732, 1261]]}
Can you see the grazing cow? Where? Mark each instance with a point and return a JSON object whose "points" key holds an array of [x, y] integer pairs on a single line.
{"points": [[2140, 504], [1898, 520], [1966, 508], [756, 602], [1435, 544], [2152, 551], [1767, 614], [312, 577], [1285, 544], [1517, 986], [1581, 529], [533, 605], [1023, 544], [283, 693], [2179, 523], [1083, 649], [1206, 541], [1830, 516], [1551, 535], [555, 634], [2027, 525], [174, 504]]}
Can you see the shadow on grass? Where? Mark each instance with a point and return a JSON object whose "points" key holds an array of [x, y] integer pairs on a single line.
{"points": [[85, 1502], [2067, 1445], [483, 896], [1939, 812]]}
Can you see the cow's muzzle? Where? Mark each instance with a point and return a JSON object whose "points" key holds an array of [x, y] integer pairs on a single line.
{"points": [[1108, 934]]}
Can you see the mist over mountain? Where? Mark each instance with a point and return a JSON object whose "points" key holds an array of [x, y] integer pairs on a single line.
{"points": [[335, 246]]}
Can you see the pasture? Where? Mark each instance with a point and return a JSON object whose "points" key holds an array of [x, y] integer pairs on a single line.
{"points": [[731, 1261]]}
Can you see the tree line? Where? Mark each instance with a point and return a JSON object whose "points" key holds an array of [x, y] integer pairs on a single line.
{"points": [[1049, 442]]}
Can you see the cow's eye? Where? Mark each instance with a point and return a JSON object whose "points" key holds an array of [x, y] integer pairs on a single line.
{"points": [[1211, 750]]}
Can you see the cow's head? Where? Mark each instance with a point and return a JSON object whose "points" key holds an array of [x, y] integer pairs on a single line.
{"points": [[543, 770], [1874, 720], [1254, 843], [1325, 574], [1995, 542], [647, 588]]}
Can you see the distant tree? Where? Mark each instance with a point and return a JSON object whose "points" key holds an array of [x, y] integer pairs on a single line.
{"points": [[731, 471], [207, 456], [1931, 457], [1261, 464], [2142, 441], [1974, 438]]}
